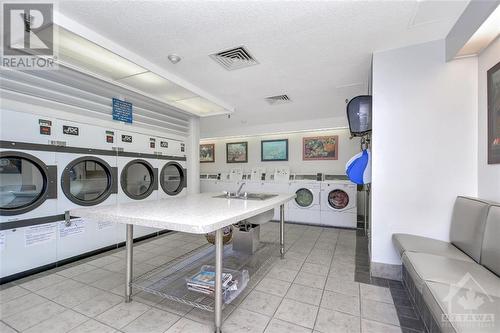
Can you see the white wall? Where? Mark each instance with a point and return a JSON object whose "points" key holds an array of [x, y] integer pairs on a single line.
{"points": [[424, 142], [347, 148], [488, 174]]}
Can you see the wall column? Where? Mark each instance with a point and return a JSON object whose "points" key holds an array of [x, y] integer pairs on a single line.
{"points": [[193, 158]]}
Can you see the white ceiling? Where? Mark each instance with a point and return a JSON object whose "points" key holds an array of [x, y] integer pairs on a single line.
{"points": [[318, 53]]}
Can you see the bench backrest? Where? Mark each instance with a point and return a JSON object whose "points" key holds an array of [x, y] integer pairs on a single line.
{"points": [[467, 225], [490, 254]]}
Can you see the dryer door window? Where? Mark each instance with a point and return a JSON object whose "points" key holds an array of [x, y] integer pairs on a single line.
{"points": [[22, 184], [304, 197], [338, 199], [87, 181], [172, 178], [137, 179]]}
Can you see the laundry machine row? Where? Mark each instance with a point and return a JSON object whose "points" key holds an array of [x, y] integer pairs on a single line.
{"points": [[48, 169]]}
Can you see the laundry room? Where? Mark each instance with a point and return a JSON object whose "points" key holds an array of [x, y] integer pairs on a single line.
{"points": [[250, 166]]}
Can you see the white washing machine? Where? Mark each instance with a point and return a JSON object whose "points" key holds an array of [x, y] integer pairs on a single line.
{"points": [[305, 208], [138, 173], [87, 176], [338, 203], [28, 193]]}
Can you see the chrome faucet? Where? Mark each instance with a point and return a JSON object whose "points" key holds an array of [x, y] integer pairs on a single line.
{"points": [[238, 191]]}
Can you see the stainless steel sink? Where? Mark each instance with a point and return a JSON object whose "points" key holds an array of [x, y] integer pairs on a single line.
{"points": [[246, 196]]}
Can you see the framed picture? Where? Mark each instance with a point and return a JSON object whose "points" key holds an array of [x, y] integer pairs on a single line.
{"points": [[237, 152], [320, 148], [493, 76], [274, 150], [207, 153]]}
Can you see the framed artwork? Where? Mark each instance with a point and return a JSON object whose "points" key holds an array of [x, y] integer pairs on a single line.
{"points": [[207, 153], [274, 150], [320, 148], [493, 76], [237, 152]]}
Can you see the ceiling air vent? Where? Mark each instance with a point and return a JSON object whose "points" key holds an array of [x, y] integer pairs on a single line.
{"points": [[235, 58], [279, 99]]}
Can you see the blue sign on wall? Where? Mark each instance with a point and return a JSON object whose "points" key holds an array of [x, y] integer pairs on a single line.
{"points": [[122, 111]]}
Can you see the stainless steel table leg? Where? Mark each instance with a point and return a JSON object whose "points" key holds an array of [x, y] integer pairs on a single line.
{"points": [[128, 273], [219, 249], [282, 231]]}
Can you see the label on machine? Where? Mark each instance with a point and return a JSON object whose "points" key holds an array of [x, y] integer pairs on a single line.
{"points": [[2, 240], [76, 227], [39, 234], [104, 224]]}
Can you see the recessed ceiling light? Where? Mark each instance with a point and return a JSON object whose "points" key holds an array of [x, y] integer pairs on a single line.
{"points": [[174, 58]]}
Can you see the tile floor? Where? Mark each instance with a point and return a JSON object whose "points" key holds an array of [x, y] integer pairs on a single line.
{"points": [[312, 290]]}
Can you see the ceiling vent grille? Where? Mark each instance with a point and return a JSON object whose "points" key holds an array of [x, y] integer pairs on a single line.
{"points": [[279, 99], [235, 58]]}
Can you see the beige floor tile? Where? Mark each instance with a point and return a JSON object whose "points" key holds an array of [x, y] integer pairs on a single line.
{"points": [[378, 311], [110, 282], [297, 313], [20, 304], [262, 303], [304, 294], [12, 292], [61, 288], [206, 317], [340, 302], [92, 276], [280, 326], [75, 270], [103, 261], [310, 280], [152, 321], [281, 273], [60, 323], [77, 296], [242, 320], [273, 286], [6, 329], [330, 321], [122, 314], [97, 305], [93, 326], [25, 319], [42, 282], [185, 325], [315, 269], [376, 293], [174, 307], [342, 286]]}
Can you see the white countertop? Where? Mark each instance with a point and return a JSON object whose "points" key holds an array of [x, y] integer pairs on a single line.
{"points": [[193, 213]]}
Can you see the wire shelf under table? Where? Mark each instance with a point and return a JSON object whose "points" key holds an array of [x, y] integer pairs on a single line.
{"points": [[169, 280]]}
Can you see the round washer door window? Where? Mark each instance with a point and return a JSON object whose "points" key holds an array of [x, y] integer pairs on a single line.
{"points": [[172, 178], [137, 179], [87, 181], [23, 184], [338, 199], [304, 197]]}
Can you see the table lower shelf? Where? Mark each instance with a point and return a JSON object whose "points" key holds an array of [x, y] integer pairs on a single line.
{"points": [[169, 281]]}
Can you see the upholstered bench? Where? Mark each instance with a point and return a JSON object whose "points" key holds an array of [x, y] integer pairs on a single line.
{"points": [[456, 285]]}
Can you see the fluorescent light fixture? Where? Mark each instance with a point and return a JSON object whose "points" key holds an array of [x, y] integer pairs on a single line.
{"points": [[233, 137], [84, 55], [487, 32]]}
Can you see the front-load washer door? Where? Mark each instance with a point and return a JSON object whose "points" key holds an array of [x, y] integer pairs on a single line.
{"points": [[338, 199], [88, 181], [172, 178], [25, 182], [138, 179], [304, 198]]}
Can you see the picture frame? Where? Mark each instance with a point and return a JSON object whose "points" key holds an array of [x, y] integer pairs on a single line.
{"points": [[493, 93], [237, 152], [274, 150], [320, 148], [207, 153]]}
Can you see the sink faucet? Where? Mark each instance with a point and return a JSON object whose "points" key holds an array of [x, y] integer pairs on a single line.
{"points": [[238, 191]]}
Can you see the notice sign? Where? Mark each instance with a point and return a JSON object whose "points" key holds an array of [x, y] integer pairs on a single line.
{"points": [[76, 227], [122, 111], [104, 224], [39, 234]]}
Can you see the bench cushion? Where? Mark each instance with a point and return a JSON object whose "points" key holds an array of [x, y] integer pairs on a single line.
{"points": [[490, 255], [412, 243], [424, 267], [445, 304], [467, 225]]}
